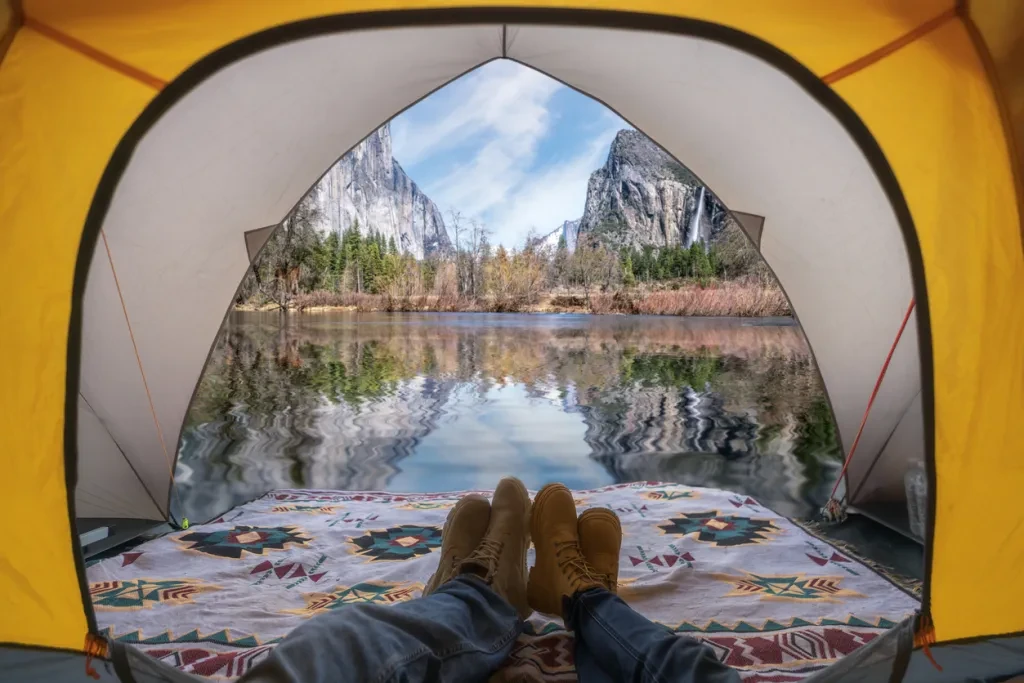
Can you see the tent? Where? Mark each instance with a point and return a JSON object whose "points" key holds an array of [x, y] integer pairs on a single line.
{"points": [[147, 147]]}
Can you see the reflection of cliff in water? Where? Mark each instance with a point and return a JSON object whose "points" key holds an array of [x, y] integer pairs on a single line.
{"points": [[295, 414], [341, 401], [629, 419], [779, 474]]}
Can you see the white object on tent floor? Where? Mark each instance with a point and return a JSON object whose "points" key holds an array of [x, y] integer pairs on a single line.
{"points": [[767, 596]]}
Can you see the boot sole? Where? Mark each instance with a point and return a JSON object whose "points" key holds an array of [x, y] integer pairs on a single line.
{"points": [[541, 605]]}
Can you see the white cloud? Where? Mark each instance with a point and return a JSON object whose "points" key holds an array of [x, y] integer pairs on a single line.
{"points": [[473, 147], [555, 194], [501, 99]]}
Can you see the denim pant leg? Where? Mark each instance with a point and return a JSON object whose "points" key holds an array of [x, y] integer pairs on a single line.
{"points": [[614, 643], [461, 632]]}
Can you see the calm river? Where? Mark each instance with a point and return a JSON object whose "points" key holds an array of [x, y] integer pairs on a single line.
{"points": [[436, 401]]}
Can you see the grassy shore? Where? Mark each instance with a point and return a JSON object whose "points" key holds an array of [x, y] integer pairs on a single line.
{"points": [[715, 299]]}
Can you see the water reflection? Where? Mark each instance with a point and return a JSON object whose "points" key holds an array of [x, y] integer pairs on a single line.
{"points": [[417, 402]]}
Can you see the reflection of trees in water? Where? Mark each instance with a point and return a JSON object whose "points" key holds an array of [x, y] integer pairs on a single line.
{"points": [[324, 402]]}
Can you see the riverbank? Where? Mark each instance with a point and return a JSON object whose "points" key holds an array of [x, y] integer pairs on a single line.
{"points": [[745, 300]]}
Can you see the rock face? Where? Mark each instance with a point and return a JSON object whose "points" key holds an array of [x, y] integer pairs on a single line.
{"points": [[568, 230], [369, 186], [642, 196]]}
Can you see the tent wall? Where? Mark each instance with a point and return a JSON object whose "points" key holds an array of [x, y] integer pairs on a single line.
{"points": [[69, 113], [10, 20], [880, 479], [955, 172], [998, 27], [109, 487]]}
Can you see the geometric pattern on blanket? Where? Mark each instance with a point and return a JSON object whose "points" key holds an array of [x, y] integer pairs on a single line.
{"points": [[769, 598]]}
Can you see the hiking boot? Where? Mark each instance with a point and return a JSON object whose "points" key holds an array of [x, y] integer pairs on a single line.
{"points": [[463, 530], [500, 559], [561, 570], [600, 540]]}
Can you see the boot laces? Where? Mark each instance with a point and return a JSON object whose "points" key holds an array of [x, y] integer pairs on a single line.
{"points": [[486, 555], [574, 565]]}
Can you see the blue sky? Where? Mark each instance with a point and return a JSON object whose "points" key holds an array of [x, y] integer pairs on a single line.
{"points": [[507, 146]]}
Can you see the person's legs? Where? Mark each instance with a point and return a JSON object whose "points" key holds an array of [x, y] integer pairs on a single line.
{"points": [[575, 575], [614, 643], [461, 630]]}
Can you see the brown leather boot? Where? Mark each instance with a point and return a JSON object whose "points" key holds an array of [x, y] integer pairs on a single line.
{"points": [[500, 559], [561, 569], [601, 539], [462, 533]]}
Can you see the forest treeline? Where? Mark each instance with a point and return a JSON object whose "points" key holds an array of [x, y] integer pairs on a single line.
{"points": [[300, 267]]}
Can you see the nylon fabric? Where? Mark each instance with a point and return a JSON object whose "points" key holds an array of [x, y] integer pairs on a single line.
{"points": [[108, 486], [61, 115], [165, 38], [999, 22], [954, 170], [929, 104]]}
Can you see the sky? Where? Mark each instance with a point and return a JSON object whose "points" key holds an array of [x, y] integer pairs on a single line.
{"points": [[508, 146]]}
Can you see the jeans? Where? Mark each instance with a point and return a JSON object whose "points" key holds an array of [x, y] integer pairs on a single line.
{"points": [[464, 631]]}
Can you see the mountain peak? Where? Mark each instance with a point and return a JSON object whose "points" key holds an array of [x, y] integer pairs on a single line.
{"points": [[369, 186], [644, 197], [633, 148]]}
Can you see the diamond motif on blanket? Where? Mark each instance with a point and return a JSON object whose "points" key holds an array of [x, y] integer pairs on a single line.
{"points": [[398, 542], [231, 543], [721, 530]]}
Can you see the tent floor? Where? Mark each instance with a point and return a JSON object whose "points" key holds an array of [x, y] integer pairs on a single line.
{"points": [[121, 533], [879, 543]]}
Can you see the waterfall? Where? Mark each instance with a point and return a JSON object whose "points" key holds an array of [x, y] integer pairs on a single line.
{"points": [[693, 234]]}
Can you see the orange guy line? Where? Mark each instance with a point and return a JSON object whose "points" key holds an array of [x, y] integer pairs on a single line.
{"points": [[138, 358], [887, 49], [97, 56]]}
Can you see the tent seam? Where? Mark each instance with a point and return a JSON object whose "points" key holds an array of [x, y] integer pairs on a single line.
{"points": [[98, 56], [889, 48]]}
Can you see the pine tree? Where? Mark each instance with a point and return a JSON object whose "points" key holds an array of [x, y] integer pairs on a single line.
{"points": [[699, 264], [628, 279], [560, 263]]}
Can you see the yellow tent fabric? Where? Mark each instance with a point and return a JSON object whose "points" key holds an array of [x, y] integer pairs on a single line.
{"points": [[78, 74]]}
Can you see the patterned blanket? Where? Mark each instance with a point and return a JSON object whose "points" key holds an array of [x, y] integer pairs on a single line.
{"points": [[770, 599]]}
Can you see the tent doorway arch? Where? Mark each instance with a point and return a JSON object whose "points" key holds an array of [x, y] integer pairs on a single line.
{"points": [[764, 133]]}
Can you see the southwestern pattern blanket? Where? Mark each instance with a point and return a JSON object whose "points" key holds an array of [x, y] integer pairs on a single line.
{"points": [[769, 598]]}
